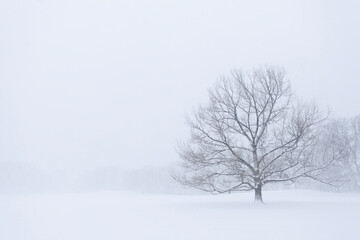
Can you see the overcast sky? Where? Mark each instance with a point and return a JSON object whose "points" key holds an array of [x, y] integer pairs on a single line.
{"points": [[87, 84]]}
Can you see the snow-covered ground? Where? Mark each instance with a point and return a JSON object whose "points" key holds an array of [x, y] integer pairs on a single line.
{"points": [[291, 214]]}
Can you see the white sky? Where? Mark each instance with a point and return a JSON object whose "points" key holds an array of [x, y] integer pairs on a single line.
{"points": [[107, 83]]}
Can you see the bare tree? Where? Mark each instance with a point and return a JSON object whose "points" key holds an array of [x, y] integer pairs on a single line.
{"points": [[251, 133], [354, 144], [332, 146], [340, 141]]}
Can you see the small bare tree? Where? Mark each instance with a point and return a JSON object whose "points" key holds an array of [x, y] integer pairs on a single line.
{"points": [[340, 141], [354, 145], [251, 133], [332, 146]]}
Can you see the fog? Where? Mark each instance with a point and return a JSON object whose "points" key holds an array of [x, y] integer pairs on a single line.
{"points": [[93, 85]]}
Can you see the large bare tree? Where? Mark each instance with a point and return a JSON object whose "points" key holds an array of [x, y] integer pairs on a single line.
{"points": [[251, 133]]}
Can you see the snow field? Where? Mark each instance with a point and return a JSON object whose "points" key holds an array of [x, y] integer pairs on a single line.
{"points": [[295, 214]]}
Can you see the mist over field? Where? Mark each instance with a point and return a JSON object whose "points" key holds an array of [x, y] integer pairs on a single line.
{"points": [[94, 97]]}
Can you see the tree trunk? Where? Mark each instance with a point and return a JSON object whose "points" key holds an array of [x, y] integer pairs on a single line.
{"points": [[258, 194]]}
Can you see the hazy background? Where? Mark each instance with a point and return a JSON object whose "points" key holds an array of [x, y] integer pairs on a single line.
{"points": [[89, 88]]}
